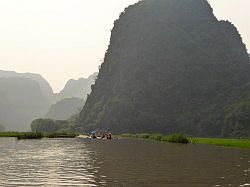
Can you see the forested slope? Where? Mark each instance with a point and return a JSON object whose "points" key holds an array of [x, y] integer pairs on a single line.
{"points": [[171, 66]]}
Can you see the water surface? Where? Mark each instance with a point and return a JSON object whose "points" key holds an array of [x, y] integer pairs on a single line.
{"points": [[126, 162]]}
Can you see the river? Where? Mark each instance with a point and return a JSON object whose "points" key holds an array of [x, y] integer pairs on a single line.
{"points": [[125, 162]]}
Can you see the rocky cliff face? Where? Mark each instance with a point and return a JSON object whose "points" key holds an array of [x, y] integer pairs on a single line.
{"points": [[44, 85], [77, 88], [171, 66]]}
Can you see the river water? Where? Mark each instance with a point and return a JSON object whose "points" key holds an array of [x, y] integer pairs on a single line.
{"points": [[125, 162]]}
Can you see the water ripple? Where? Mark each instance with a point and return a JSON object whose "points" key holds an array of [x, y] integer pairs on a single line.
{"points": [[78, 162], [46, 163]]}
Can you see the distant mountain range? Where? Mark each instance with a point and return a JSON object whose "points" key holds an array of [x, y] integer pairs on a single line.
{"points": [[27, 96]]}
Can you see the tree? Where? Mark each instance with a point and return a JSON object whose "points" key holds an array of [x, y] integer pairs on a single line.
{"points": [[49, 125]]}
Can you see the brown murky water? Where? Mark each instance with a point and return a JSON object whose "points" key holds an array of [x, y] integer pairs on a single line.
{"points": [[126, 162]]}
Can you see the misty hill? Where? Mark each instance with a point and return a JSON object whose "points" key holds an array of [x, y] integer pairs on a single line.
{"points": [[77, 88], [2, 128], [171, 66], [44, 85], [21, 101], [26, 96], [65, 108], [73, 88], [6, 110]]}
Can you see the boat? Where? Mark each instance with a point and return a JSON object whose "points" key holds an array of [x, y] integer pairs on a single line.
{"points": [[107, 136], [83, 136]]}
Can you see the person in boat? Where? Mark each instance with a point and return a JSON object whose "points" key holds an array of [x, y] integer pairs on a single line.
{"points": [[93, 134], [103, 136], [109, 136]]}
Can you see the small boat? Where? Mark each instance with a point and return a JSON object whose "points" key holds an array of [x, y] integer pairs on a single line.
{"points": [[83, 136], [93, 136]]}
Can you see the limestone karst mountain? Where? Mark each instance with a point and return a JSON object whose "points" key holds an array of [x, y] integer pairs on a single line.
{"points": [[171, 66]]}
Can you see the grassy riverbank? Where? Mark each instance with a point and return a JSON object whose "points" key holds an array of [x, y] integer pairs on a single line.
{"points": [[175, 138], [9, 134], [29, 135], [33, 135], [179, 138], [241, 143]]}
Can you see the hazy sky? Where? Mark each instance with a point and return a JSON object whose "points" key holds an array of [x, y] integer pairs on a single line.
{"points": [[64, 39]]}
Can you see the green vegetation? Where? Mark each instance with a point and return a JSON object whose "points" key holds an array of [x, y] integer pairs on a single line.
{"points": [[29, 135], [171, 66], [157, 137], [238, 119], [60, 135], [65, 108], [242, 143], [9, 134], [50, 126], [180, 138], [143, 135], [38, 135], [55, 126], [22, 135], [175, 138]]}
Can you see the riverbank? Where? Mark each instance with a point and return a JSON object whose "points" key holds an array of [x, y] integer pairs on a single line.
{"points": [[175, 138], [179, 138], [241, 143], [34, 135]]}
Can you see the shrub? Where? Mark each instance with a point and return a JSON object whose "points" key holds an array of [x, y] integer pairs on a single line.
{"points": [[29, 135], [176, 138], [60, 135], [156, 137], [128, 136], [143, 135]]}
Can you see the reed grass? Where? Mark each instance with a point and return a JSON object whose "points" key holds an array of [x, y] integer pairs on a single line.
{"points": [[175, 138], [37, 135], [29, 135]]}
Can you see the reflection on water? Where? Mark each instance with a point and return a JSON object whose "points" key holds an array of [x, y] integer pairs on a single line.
{"points": [[46, 163], [79, 162]]}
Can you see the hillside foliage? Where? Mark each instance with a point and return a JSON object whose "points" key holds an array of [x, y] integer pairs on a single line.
{"points": [[66, 108], [171, 67]]}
